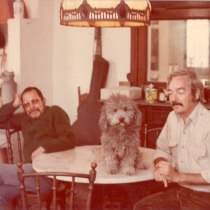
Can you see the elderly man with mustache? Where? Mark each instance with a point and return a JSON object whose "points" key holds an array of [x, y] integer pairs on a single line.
{"points": [[45, 129], [183, 148]]}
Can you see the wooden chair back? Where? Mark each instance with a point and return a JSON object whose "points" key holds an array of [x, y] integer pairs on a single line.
{"points": [[91, 178], [82, 97], [10, 159], [150, 136], [9, 133]]}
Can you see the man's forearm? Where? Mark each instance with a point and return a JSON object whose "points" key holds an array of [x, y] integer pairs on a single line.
{"points": [[6, 111], [8, 119], [165, 169], [194, 179]]}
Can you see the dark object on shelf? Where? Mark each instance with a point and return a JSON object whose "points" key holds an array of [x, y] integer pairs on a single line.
{"points": [[2, 40], [207, 94], [86, 128]]}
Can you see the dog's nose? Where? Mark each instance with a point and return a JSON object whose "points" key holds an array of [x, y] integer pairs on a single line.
{"points": [[121, 119]]}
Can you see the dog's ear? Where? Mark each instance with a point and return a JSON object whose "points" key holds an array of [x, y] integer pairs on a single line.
{"points": [[103, 122], [137, 118]]}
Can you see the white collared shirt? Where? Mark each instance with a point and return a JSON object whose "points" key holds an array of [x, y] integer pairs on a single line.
{"points": [[187, 146]]}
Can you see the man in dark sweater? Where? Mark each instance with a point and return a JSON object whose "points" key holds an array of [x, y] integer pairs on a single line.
{"points": [[45, 129]]}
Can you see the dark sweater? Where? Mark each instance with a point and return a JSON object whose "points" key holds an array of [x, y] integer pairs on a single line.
{"points": [[51, 131]]}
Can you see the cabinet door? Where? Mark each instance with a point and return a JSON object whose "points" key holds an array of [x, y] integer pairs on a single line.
{"points": [[143, 112], [156, 116]]}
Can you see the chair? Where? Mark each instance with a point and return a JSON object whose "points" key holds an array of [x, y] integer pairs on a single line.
{"points": [[81, 97], [91, 177], [7, 152], [10, 156], [150, 136], [10, 159], [9, 133]]}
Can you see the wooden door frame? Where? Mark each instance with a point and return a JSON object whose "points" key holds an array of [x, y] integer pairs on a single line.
{"points": [[161, 10]]}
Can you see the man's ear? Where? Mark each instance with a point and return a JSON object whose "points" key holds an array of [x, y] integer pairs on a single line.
{"points": [[197, 94], [44, 101]]}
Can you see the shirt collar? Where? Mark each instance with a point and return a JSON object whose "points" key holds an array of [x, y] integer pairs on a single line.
{"points": [[194, 115]]}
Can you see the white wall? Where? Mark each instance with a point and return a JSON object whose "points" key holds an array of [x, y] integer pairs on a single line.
{"points": [[58, 58], [30, 47]]}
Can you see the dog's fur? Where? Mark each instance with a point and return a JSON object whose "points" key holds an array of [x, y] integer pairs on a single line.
{"points": [[120, 123]]}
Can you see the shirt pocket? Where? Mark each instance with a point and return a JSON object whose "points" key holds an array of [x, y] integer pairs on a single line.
{"points": [[197, 153], [197, 159]]}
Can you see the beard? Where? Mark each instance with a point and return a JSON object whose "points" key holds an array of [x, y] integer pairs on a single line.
{"points": [[34, 114]]}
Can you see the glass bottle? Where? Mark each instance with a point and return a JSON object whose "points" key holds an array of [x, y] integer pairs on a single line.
{"points": [[18, 9]]}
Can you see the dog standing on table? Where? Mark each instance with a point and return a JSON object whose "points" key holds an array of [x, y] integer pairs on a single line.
{"points": [[120, 123]]}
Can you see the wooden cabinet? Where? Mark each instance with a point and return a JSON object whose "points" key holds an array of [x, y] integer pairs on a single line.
{"points": [[154, 115]]}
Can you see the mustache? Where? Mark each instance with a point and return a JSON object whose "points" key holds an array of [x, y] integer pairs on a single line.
{"points": [[33, 110], [176, 103]]}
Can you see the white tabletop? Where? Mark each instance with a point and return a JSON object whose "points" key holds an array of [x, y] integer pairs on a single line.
{"points": [[79, 159]]}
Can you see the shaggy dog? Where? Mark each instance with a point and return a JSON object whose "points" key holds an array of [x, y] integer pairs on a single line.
{"points": [[120, 123]]}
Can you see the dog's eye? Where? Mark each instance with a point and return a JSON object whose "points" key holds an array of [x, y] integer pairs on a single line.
{"points": [[115, 110], [125, 109]]}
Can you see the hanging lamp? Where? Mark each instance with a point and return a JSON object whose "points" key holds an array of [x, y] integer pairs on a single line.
{"points": [[105, 13]]}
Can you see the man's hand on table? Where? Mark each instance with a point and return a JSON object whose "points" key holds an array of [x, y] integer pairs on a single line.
{"points": [[40, 150], [164, 172], [158, 176]]}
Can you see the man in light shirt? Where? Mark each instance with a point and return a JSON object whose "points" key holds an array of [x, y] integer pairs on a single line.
{"points": [[183, 148]]}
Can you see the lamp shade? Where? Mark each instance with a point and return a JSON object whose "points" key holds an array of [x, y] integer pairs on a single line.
{"points": [[105, 13]]}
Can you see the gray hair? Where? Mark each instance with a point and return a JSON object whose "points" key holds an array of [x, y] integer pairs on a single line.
{"points": [[193, 81]]}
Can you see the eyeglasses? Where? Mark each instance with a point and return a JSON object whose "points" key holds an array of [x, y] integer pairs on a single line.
{"points": [[28, 103]]}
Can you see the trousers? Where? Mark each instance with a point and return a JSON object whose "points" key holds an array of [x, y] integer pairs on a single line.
{"points": [[9, 183], [175, 198]]}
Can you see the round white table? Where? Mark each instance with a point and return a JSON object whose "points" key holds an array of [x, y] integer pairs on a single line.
{"points": [[79, 159]]}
